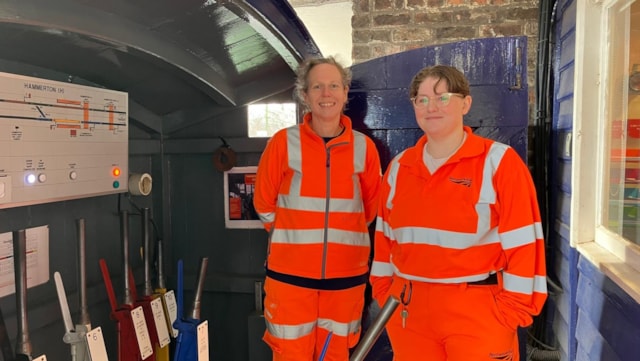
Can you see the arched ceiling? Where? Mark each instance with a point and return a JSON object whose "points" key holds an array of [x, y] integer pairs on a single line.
{"points": [[180, 61]]}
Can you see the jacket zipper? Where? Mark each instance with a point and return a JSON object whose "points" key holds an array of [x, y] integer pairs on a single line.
{"points": [[325, 241]]}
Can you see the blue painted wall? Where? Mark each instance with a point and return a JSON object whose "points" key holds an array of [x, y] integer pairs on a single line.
{"points": [[379, 102], [592, 318]]}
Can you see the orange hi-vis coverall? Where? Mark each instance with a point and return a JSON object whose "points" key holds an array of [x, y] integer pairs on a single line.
{"points": [[316, 200], [439, 235]]}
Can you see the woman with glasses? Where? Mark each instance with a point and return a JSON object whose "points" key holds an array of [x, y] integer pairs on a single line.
{"points": [[316, 193], [458, 237]]}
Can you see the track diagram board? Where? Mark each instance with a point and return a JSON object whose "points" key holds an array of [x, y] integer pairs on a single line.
{"points": [[60, 141]]}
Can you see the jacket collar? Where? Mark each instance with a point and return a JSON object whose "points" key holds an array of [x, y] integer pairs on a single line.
{"points": [[344, 120], [473, 146]]}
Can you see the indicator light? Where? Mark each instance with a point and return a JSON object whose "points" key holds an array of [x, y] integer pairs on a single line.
{"points": [[116, 184], [116, 172], [31, 178]]}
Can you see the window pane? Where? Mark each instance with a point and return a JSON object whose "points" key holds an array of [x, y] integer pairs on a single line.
{"points": [[266, 119], [621, 214]]}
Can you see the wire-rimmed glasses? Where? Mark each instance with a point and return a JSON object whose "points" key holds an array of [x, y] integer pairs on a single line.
{"points": [[440, 100]]}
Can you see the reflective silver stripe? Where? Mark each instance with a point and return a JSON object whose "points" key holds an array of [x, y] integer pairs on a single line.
{"points": [[518, 284], [539, 230], [491, 163], [294, 201], [540, 284], [359, 152], [391, 179], [447, 239], [290, 332], [487, 195], [316, 236], [339, 328], [484, 234], [267, 217], [381, 269], [382, 226], [457, 240], [519, 237], [318, 204], [471, 278], [294, 152]]}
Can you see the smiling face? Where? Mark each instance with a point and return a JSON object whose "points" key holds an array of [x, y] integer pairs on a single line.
{"points": [[437, 120], [326, 93]]}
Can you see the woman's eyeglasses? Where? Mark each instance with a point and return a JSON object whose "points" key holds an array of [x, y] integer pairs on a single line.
{"points": [[441, 100]]}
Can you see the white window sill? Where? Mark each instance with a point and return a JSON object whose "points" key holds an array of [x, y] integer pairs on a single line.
{"points": [[613, 267]]}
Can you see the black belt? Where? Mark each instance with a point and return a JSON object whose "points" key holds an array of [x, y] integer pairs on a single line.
{"points": [[491, 280]]}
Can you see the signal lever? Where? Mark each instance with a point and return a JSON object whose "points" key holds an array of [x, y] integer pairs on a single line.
{"points": [[186, 342], [23, 343], [134, 343], [152, 305], [75, 336]]}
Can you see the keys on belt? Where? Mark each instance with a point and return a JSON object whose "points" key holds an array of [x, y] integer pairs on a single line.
{"points": [[405, 294], [405, 298]]}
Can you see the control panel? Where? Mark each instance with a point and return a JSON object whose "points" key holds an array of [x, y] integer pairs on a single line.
{"points": [[60, 141]]}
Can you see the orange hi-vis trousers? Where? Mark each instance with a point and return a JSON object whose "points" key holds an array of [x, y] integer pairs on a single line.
{"points": [[449, 322], [299, 320]]}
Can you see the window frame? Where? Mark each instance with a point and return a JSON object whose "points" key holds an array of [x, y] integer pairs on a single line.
{"points": [[616, 257], [295, 118]]}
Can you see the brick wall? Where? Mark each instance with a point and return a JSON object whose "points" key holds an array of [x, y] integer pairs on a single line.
{"points": [[384, 27]]}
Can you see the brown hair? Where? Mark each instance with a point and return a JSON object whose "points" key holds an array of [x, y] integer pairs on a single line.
{"points": [[455, 80]]}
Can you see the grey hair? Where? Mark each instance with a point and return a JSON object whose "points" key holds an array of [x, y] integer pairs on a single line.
{"points": [[302, 75]]}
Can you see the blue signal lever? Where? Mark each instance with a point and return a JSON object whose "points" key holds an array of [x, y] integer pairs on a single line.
{"points": [[187, 326]]}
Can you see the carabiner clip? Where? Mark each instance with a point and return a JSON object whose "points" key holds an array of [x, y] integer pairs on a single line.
{"points": [[405, 300]]}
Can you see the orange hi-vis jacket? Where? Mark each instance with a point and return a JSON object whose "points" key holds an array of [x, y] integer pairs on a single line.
{"points": [[316, 201], [475, 215]]}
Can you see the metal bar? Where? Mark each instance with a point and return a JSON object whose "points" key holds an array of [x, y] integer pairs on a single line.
{"points": [[161, 278], [145, 303], [371, 336], [74, 337], [23, 344], [182, 327], [180, 291], [133, 289], [79, 349], [162, 352], [186, 342], [257, 292], [124, 229], [82, 282], [148, 289], [195, 310]]}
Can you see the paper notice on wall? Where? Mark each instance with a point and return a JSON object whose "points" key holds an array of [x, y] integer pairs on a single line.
{"points": [[37, 250]]}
